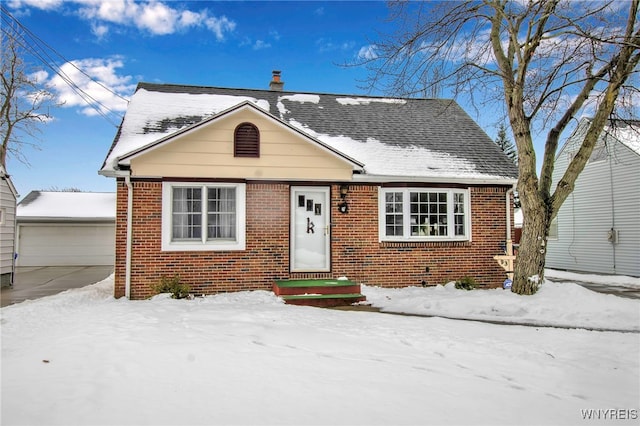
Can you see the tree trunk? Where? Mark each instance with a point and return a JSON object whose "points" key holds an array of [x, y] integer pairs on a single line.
{"points": [[529, 268]]}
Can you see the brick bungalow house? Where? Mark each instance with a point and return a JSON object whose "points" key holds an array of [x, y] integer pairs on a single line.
{"points": [[232, 189]]}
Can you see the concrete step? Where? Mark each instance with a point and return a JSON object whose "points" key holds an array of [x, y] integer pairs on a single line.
{"points": [[318, 292], [324, 300]]}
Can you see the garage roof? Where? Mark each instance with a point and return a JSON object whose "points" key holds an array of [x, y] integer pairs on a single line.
{"points": [[67, 206]]}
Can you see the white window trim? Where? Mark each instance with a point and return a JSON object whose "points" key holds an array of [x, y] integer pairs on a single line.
{"points": [[204, 245], [406, 215]]}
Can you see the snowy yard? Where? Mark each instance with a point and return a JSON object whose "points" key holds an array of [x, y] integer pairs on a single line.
{"points": [[83, 358]]}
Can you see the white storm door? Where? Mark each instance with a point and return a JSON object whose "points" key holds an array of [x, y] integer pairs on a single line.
{"points": [[310, 229]]}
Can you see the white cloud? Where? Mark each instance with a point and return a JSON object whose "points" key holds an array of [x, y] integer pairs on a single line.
{"points": [[38, 4], [103, 73], [115, 11], [157, 18], [39, 76], [327, 45], [99, 30], [368, 52], [274, 34], [188, 18], [260, 44], [220, 26], [151, 16]]}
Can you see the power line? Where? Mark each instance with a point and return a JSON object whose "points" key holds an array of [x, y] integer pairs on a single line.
{"points": [[40, 49], [34, 46], [93, 103]]}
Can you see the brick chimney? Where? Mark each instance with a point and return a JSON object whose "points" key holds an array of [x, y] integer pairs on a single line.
{"points": [[275, 84]]}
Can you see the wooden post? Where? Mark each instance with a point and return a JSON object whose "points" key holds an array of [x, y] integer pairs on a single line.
{"points": [[506, 260]]}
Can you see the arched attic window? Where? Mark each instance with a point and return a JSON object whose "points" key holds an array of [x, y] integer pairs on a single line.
{"points": [[246, 141]]}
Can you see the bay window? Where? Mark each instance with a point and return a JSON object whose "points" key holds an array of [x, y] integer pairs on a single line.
{"points": [[424, 214]]}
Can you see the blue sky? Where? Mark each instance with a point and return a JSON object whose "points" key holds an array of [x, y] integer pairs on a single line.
{"points": [[225, 44]]}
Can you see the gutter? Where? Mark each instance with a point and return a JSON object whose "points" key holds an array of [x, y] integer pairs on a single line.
{"points": [[488, 180], [61, 219]]}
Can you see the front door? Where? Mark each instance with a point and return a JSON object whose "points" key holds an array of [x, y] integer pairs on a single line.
{"points": [[310, 229]]}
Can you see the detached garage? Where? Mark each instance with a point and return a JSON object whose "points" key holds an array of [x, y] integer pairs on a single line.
{"points": [[66, 229]]}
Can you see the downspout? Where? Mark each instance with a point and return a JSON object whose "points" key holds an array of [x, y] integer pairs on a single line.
{"points": [[506, 260], [127, 273], [509, 243], [14, 248], [613, 237]]}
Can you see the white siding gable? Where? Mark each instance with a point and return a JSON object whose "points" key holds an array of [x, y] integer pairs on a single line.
{"points": [[606, 198], [7, 226]]}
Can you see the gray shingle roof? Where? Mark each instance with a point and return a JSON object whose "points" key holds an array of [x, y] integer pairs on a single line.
{"points": [[419, 136]]}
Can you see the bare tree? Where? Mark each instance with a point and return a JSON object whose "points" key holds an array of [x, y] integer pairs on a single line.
{"points": [[23, 99], [547, 61]]}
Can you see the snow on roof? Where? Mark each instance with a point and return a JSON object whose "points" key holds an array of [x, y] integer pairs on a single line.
{"points": [[301, 97], [67, 206], [367, 101], [146, 122], [393, 160], [379, 132]]}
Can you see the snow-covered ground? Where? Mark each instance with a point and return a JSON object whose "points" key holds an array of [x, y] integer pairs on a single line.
{"points": [[557, 304], [82, 357]]}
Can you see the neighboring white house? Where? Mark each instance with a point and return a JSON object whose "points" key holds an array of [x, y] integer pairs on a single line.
{"points": [[8, 197], [598, 227], [66, 229], [518, 220]]}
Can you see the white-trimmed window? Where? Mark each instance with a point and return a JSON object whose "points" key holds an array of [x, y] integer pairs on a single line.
{"points": [[203, 216], [424, 214]]}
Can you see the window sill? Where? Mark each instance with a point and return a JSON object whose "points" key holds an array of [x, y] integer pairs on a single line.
{"points": [[219, 246], [424, 243]]}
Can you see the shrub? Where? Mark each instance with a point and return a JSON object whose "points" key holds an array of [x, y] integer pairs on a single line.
{"points": [[466, 283], [172, 285]]}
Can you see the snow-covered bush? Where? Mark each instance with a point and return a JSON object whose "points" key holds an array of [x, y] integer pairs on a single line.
{"points": [[172, 285]]}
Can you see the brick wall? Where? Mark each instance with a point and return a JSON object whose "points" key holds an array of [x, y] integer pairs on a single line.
{"points": [[359, 255], [356, 251]]}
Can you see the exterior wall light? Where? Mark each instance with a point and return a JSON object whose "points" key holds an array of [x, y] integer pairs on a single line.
{"points": [[343, 207]]}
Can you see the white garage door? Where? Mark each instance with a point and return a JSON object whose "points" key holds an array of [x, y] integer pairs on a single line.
{"points": [[66, 244]]}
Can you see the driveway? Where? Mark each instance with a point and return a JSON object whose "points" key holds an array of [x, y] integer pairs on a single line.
{"points": [[618, 290], [35, 282]]}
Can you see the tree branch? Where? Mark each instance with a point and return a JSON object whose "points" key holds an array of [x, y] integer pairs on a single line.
{"points": [[619, 69]]}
